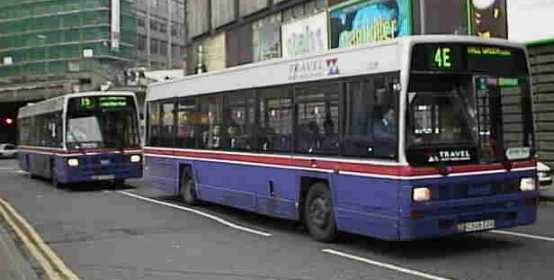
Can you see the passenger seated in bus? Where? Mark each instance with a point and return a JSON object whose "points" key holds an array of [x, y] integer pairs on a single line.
{"points": [[308, 136], [328, 142], [212, 139]]}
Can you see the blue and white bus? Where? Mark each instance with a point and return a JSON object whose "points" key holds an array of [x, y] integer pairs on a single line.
{"points": [[413, 138], [81, 137]]}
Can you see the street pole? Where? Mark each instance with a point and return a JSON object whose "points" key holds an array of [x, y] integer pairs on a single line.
{"points": [[169, 35]]}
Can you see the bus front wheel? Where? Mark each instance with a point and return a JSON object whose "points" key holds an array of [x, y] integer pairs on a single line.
{"points": [[318, 213], [187, 190]]}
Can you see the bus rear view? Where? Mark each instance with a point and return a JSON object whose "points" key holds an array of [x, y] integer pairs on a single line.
{"points": [[470, 138]]}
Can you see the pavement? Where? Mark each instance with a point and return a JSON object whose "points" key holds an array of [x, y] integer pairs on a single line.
{"points": [[13, 266]]}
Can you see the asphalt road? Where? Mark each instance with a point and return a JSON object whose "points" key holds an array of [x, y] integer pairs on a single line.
{"points": [[102, 233]]}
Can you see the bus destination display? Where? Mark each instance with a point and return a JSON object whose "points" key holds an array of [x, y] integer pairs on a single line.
{"points": [[102, 102], [468, 58]]}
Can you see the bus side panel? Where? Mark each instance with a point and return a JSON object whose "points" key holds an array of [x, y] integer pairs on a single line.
{"points": [[367, 206], [248, 187], [23, 159], [38, 164], [162, 173]]}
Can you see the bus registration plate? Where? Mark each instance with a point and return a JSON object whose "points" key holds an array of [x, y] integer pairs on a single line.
{"points": [[477, 226], [103, 177]]}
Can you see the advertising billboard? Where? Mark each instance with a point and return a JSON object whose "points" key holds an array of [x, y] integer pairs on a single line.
{"points": [[359, 22], [305, 36]]}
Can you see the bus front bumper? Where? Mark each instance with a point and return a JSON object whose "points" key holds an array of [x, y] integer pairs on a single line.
{"points": [[444, 218]]}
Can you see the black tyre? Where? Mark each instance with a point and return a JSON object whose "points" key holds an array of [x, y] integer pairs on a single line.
{"points": [[118, 183], [187, 191], [319, 215]]}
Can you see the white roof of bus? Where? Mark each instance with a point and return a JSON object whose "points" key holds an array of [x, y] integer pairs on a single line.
{"points": [[57, 103], [367, 59]]}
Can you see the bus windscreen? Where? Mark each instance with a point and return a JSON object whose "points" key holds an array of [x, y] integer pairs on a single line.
{"points": [[102, 122]]}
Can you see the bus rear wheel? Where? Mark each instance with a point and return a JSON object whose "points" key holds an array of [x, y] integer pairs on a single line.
{"points": [[319, 216], [187, 190]]}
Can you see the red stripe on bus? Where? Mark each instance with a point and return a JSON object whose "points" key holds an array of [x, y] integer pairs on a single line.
{"points": [[405, 171]]}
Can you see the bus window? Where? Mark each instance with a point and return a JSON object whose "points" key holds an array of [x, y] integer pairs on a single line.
{"points": [[167, 126], [239, 124], [275, 131], [371, 119], [153, 123], [317, 119], [211, 122], [187, 119]]}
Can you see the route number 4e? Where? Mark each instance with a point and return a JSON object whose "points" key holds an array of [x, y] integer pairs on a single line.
{"points": [[442, 58]]}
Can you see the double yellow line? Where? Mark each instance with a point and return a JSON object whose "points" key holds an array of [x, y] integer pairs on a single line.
{"points": [[54, 268]]}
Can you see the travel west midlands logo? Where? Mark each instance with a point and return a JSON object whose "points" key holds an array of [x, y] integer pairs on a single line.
{"points": [[314, 68]]}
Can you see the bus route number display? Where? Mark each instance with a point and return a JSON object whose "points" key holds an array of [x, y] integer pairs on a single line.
{"points": [[442, 58]]}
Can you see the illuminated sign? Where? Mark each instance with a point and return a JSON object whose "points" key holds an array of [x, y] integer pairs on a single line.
{"points": [[360, 22], [86, 103], [442, 58], [112, 101], [459, 57], [305, 36], [92, 102]]}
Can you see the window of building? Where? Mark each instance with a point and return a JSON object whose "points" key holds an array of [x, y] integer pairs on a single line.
{"points": [[154, 46], [154, 25], [163, 48], [141, 42], [141, 21], [163, 27]]}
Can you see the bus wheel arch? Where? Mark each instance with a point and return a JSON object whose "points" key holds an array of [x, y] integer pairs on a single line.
{"points": [[187, 188], [317, 210]]}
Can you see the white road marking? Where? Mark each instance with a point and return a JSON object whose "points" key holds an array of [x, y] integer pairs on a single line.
{"points": [[385, 265], [524, 235], [191, 210], [6, 168]]}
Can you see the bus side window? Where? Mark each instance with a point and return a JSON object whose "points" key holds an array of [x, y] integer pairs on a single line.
{"points": [[210, 132], [153, 123], [240, 121], [187, 120], [274, 133], [167, 127], [371, 119], [317, 119]]}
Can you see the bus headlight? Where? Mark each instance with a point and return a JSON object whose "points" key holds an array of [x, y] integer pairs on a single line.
{"points": [[421, 194], [527, 184], [73, 162], [135, 158]]}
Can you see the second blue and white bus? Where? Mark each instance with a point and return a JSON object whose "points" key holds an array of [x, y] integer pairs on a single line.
{"points": [[81, 137], [413, 138]]}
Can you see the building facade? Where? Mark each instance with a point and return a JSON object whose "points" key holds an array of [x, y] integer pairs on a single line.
{"points": [[226, 33], [161, 34], [48, 48]]}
